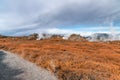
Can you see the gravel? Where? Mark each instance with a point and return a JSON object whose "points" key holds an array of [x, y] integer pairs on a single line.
{"points": [[13, 67]]}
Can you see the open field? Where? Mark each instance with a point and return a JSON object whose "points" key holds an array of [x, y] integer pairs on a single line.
{"points": [[70, 60]]}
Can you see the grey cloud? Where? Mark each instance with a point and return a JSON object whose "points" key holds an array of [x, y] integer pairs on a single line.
{"points": [[55, 13], [93, 12]]}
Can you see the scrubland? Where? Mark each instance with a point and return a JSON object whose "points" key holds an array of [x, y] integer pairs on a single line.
{"points": [[70, 60]]}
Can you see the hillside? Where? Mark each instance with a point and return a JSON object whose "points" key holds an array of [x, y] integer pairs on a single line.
{"points": [[70, 60]]}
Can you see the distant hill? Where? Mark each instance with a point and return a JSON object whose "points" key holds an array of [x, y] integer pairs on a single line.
{"points": [[72, 37], [103, 37]]}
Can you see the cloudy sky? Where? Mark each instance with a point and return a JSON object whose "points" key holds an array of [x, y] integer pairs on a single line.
{"points": [[19, 17]]}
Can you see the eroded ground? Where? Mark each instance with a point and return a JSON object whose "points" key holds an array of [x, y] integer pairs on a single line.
{"points": [[70, 60]]}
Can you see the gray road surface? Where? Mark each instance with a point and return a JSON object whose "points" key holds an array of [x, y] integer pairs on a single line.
{"points": [[13, 67]]}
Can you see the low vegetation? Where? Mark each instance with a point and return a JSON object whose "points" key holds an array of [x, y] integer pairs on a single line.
{"points": [[68, 59]]}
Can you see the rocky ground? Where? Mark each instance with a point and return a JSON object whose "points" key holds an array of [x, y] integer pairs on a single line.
{"points": [[69, 59]]}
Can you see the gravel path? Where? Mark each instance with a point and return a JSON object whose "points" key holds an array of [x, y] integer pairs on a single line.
{"points": [[13, 67]]}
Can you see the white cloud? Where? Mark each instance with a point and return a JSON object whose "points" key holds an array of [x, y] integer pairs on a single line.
{"points": [[66, 31]]}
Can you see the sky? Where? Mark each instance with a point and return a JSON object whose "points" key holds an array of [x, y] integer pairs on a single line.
{"points": [[23, 17]]}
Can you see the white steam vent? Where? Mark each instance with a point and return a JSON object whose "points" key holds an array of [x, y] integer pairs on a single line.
{"points": [[112, 35], [44, 36], [47, 36]]}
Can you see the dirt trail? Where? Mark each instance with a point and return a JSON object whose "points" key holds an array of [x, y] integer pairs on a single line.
{"points": [[12, 67]]}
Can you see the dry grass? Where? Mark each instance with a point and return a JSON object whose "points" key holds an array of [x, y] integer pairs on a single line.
{"points": [[70, 60]]}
